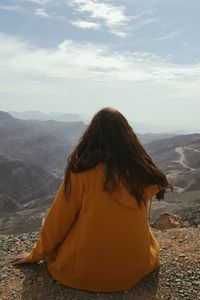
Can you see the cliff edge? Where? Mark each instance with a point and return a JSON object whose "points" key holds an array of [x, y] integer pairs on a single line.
{"points": [[177, 278]]}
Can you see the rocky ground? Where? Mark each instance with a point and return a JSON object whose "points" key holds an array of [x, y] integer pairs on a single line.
{"points": [[177, 278], [186, 205]]}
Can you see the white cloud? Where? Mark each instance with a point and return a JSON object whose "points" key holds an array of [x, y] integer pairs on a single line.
{"points": [[121, 34], [40, 2], [147, 21], [146, 16], [167, 36], [13, 8], [86, 25], [86, 60], [40, 12], [112, 16], [83, 77]]}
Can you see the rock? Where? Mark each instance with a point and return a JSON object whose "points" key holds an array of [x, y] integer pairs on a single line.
{"points": [[167, 221]]}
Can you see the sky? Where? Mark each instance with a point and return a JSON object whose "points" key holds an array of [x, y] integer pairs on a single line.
{"points": [[140, 56]]}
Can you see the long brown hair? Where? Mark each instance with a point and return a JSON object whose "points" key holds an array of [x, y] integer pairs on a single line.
{"points": [[109, 139]]}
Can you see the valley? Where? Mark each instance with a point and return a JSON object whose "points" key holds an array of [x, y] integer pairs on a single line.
{"points": [[33, 155]]}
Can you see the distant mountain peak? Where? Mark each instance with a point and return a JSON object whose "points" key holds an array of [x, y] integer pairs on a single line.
{"points": [[5, 115], [38, 115]]}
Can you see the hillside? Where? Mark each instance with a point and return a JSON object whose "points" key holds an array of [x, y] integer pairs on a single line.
{"points": [[26, 190], [146, 138], [179, 158], [177, 278], [46, 143], [33, 155], [25, 182]]}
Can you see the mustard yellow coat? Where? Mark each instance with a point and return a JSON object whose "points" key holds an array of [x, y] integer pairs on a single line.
{"points": [[95, 240]]}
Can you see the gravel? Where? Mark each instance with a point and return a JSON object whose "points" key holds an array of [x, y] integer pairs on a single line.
{"points": [[177, 278]]}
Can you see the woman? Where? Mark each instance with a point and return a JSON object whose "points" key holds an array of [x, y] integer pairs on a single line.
{"points": [[96, 235]]}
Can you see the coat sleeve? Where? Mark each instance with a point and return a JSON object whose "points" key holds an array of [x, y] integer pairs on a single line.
{"points": [[59, 219]]}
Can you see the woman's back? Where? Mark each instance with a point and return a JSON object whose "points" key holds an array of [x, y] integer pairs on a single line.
{"points": [[110, 246], [96, 235]]}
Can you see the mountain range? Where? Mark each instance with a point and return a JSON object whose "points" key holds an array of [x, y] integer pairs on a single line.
{"points": [[38, 115], [142, 128], [33, 155], [45, 143]]}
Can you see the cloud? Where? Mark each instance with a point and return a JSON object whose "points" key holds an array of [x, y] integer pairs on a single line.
{"points": [[147, 21], [86, 25], [144, 17], [40, 2], [167, 36], [13, 8], [121, 34], [85, 76], [72, 60], [40, 12], [112, 16]]}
